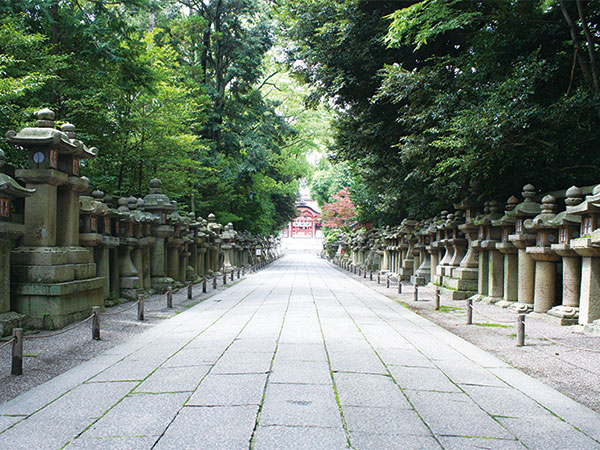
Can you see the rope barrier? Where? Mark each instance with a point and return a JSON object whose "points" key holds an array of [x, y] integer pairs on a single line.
{"points": [[7, 343], [563, 344], [120, 311], [58, 333], [512, 322]]}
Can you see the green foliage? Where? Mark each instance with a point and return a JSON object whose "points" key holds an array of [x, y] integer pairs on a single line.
{"points": [[169, 90], [431, 94]]}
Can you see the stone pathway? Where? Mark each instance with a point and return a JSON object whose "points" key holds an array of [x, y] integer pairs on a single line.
{"points": [[298, 356]]}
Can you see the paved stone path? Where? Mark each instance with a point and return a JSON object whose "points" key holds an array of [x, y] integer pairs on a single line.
{"points": [[297, 356]]}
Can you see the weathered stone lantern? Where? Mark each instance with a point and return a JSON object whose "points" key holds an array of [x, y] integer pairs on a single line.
{"points": [[523, 238], [214, 229], [92, 215], [9, 230], [159, 205], [545, 258], [491, 277], [588, 247], [506, 224], [407, 259], [568, 228], [422, 274], [463, 279], [228, 236], [55, 280], [129, 278]]}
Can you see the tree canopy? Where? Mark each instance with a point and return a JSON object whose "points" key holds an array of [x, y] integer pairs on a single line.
{"points": [[432, 94], [223, 99]]}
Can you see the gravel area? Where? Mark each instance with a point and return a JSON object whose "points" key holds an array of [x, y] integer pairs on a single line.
{"points": [[49, 357], [554, 354]]}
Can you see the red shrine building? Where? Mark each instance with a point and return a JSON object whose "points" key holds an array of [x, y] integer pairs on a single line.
{"points": [[307, 224]]}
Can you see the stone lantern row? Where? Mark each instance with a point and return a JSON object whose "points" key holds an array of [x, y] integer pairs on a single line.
{"points": [[65, 249], [533, 255]]}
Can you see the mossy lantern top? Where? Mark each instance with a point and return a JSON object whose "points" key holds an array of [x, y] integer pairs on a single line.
{"points": [[50, 148]]}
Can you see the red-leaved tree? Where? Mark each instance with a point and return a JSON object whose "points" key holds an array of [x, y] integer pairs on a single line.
{"points": [[340, 212]]}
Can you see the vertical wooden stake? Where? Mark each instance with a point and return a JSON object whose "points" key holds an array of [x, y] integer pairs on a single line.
{"points": [[399, 286], [469, 311], [96, 323], [169, 297], [190, 291], [437, 298], [204, 285], [17, 352], [520, 330], [416, 292], [140, 312], [214, 282]]}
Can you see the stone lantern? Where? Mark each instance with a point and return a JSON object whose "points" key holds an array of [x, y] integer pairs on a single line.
{"points": [[422, 274], [545, 258], [407, 262], [214, 230], [588, 247], [92, 214], [9, 229], [491, 261], [523, 238], [568, 226], [462, 280], [55, 279], [159, 205], [506, 224], [228, 236], [176, 247], [129, 277]]}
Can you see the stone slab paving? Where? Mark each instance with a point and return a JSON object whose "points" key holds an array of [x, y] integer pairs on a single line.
{"points": [[298, 356]]}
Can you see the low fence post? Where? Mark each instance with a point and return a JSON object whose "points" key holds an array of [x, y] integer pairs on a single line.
{"points": [[96, 323], [520, 330], [378, 278], [416, 298], [17, 352], [387, 281], [371, 275], [469, 311], [243, 271], [190, 291], [204, 285], [214, 280], [399, 286], [169, 297], [140, 311], [365, 274], [224, 278], [437, 298]]}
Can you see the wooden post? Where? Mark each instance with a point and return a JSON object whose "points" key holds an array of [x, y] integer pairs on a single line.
{"points": [[140, 312], [520, 330], [190, 291], [244, 271], [214, 282], [365, 274], [399, 286], [469, 311], [224, 278], [437, 298], [17, 352], [371, 275], [169, 297], [416, 292], [96, 323], [204, 285], [232, 274], [378, 278], [387, 281]]}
